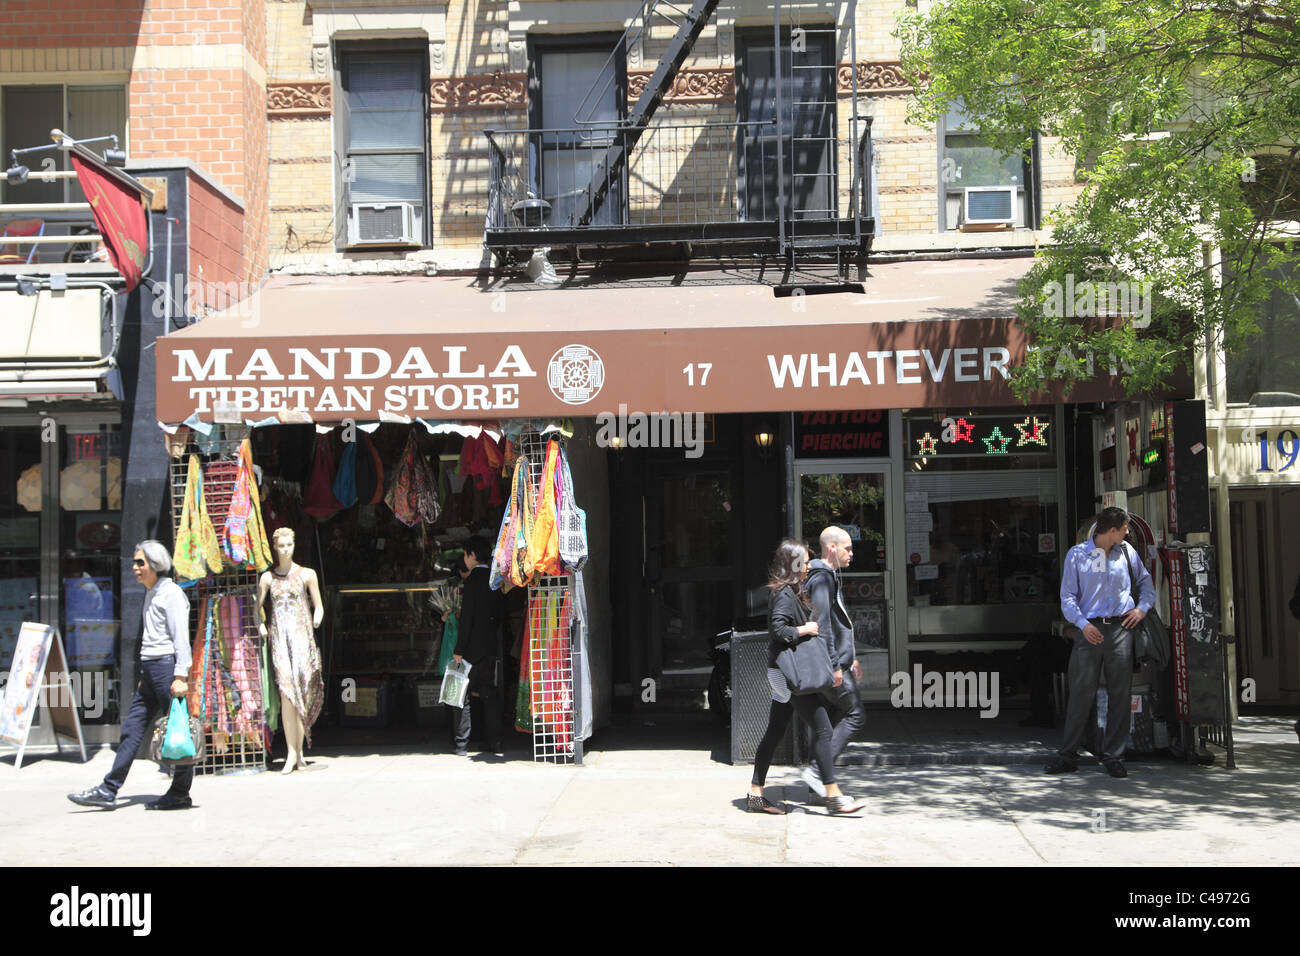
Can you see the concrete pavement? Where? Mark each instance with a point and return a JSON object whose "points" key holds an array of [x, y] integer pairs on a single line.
{"points": [[649, 798]]}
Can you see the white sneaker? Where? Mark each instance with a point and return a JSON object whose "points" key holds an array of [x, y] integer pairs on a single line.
{"points": [[813, 779]]}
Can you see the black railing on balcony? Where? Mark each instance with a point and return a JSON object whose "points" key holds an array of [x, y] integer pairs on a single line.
{"points": [[713, 183]]}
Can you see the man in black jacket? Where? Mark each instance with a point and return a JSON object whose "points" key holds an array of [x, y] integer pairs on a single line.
{"points": [[833, 621], [479, 643]]}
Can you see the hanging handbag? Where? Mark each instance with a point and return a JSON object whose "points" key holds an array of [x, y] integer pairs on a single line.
{"points": [[1151, 638], [806, 666], [572, 521]]}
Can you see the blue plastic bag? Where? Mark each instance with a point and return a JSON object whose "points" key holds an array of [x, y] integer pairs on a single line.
{"points": [[177, 742]]}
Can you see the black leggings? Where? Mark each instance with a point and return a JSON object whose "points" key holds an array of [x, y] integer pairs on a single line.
{"points": [[812, 711]]}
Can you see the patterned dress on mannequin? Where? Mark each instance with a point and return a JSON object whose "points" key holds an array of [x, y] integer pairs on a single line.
{"points": [[293, 647]]}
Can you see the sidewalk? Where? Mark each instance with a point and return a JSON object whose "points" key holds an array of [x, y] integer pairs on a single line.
{"points": [[657, 796]]}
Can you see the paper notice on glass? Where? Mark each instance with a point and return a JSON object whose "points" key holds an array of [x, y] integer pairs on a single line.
{"points": [[916, 501], [927, 572], [918, 548], [920, 522]]}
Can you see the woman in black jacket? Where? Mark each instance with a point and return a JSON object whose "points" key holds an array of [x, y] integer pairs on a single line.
{"points": [[790, 624]]}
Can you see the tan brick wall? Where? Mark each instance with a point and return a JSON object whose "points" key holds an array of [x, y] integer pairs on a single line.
{"points": [[301, 165]]}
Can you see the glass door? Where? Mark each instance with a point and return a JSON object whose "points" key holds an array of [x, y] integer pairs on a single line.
{"points": [[857, 499], [692, 566]]}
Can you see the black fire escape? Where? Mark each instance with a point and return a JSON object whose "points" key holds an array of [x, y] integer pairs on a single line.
{"points": [[664, 188]]}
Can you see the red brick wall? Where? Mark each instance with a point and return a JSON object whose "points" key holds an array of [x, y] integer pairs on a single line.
{"points": [[214, 116], [72, 23], [216, 245]]}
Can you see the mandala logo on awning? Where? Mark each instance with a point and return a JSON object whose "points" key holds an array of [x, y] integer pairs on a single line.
{"points": [[575, 374]]}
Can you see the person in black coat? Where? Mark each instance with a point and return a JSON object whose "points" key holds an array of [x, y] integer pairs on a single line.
{"points": [[479, 644], [790, 623]]}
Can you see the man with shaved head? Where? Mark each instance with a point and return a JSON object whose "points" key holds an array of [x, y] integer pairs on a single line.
{"points": [[834, 623]]}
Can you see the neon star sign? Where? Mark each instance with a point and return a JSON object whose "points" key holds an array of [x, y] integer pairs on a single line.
{"points": [[1032, 434], [1004, 434], [996, 437]]}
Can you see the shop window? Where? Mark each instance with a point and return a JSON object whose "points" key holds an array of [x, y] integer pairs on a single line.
{"points": [[29, 113], [981, 493], [382, 132], [805, 132], [578, 94], [21, 493], [978, 185], [1267, 370], [60, 552]]}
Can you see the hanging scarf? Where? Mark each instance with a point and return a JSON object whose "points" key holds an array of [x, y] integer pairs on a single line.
{"points": [[197, 551], [413, 497], [261, 544], [544, 544], [345, 482], [524, 697], [198, 661], [521, 559], [270, 695], [320, 500], [244, 538], [504, 552]]}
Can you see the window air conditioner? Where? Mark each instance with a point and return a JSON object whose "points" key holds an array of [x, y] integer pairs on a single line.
{"points": [[385, 224], [988, 205]]}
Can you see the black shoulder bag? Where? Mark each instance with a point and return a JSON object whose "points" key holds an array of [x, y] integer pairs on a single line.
{"points": [[1151, 637]]}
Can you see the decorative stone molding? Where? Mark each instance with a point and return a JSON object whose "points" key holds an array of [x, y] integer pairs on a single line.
{"points": [[904, 190], [727, 43], [478, 92], [873, 77], [308, 98], [320, 60], [437, 56], [519, 56], [694, 86]]}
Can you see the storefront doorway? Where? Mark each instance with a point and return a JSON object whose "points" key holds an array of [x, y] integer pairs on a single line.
{"points": [[693, 577], [1265, 562], [60, 545], [858, 499]]}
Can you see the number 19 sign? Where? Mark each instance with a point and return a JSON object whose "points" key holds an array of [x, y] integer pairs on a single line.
{"points": [[1287, 445]]}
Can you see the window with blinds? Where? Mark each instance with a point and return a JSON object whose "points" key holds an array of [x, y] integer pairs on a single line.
{"points": [[385, 158]]}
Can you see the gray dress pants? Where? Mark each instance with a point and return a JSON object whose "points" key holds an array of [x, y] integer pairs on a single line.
{"points": [[1113, 657]]}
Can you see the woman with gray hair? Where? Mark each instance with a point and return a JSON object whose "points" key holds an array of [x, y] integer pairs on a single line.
{"points": [[164, 665]]}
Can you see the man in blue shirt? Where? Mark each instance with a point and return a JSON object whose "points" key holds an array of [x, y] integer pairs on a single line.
{"points": [[1097, 597]]}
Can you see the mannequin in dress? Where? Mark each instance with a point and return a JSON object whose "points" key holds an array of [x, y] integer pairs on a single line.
{"points": [[293, 643]]}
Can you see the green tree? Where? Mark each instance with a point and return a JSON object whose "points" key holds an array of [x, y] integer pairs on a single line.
{"points": [[1186, 114]]}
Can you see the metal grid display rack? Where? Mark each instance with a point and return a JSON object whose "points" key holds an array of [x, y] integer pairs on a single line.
{"points": [[552, 651], [238, 745]]}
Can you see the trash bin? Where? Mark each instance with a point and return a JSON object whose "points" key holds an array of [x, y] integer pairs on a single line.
{"points": [[751, 700]]}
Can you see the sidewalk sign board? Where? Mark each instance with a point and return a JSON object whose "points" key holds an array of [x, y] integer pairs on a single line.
{"points": [[39, 653]]}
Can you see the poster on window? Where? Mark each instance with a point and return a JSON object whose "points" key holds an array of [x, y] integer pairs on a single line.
{"points": [[91, 622], [17, 604]]}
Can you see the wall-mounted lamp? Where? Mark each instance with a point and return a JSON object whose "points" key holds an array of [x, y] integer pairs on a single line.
{"points": [[764, 438]]}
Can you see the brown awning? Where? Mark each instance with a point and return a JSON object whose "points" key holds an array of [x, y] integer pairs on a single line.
{"points": [[923, 334]]}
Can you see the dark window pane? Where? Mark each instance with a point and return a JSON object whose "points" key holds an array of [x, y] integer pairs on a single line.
{"points": [[1271, 361]]}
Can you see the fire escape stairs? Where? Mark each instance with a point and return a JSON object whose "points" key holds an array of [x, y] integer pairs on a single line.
{"points": [[610, 166]]}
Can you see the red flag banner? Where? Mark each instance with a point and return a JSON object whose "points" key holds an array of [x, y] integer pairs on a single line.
{"points": [[119, 214]]}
